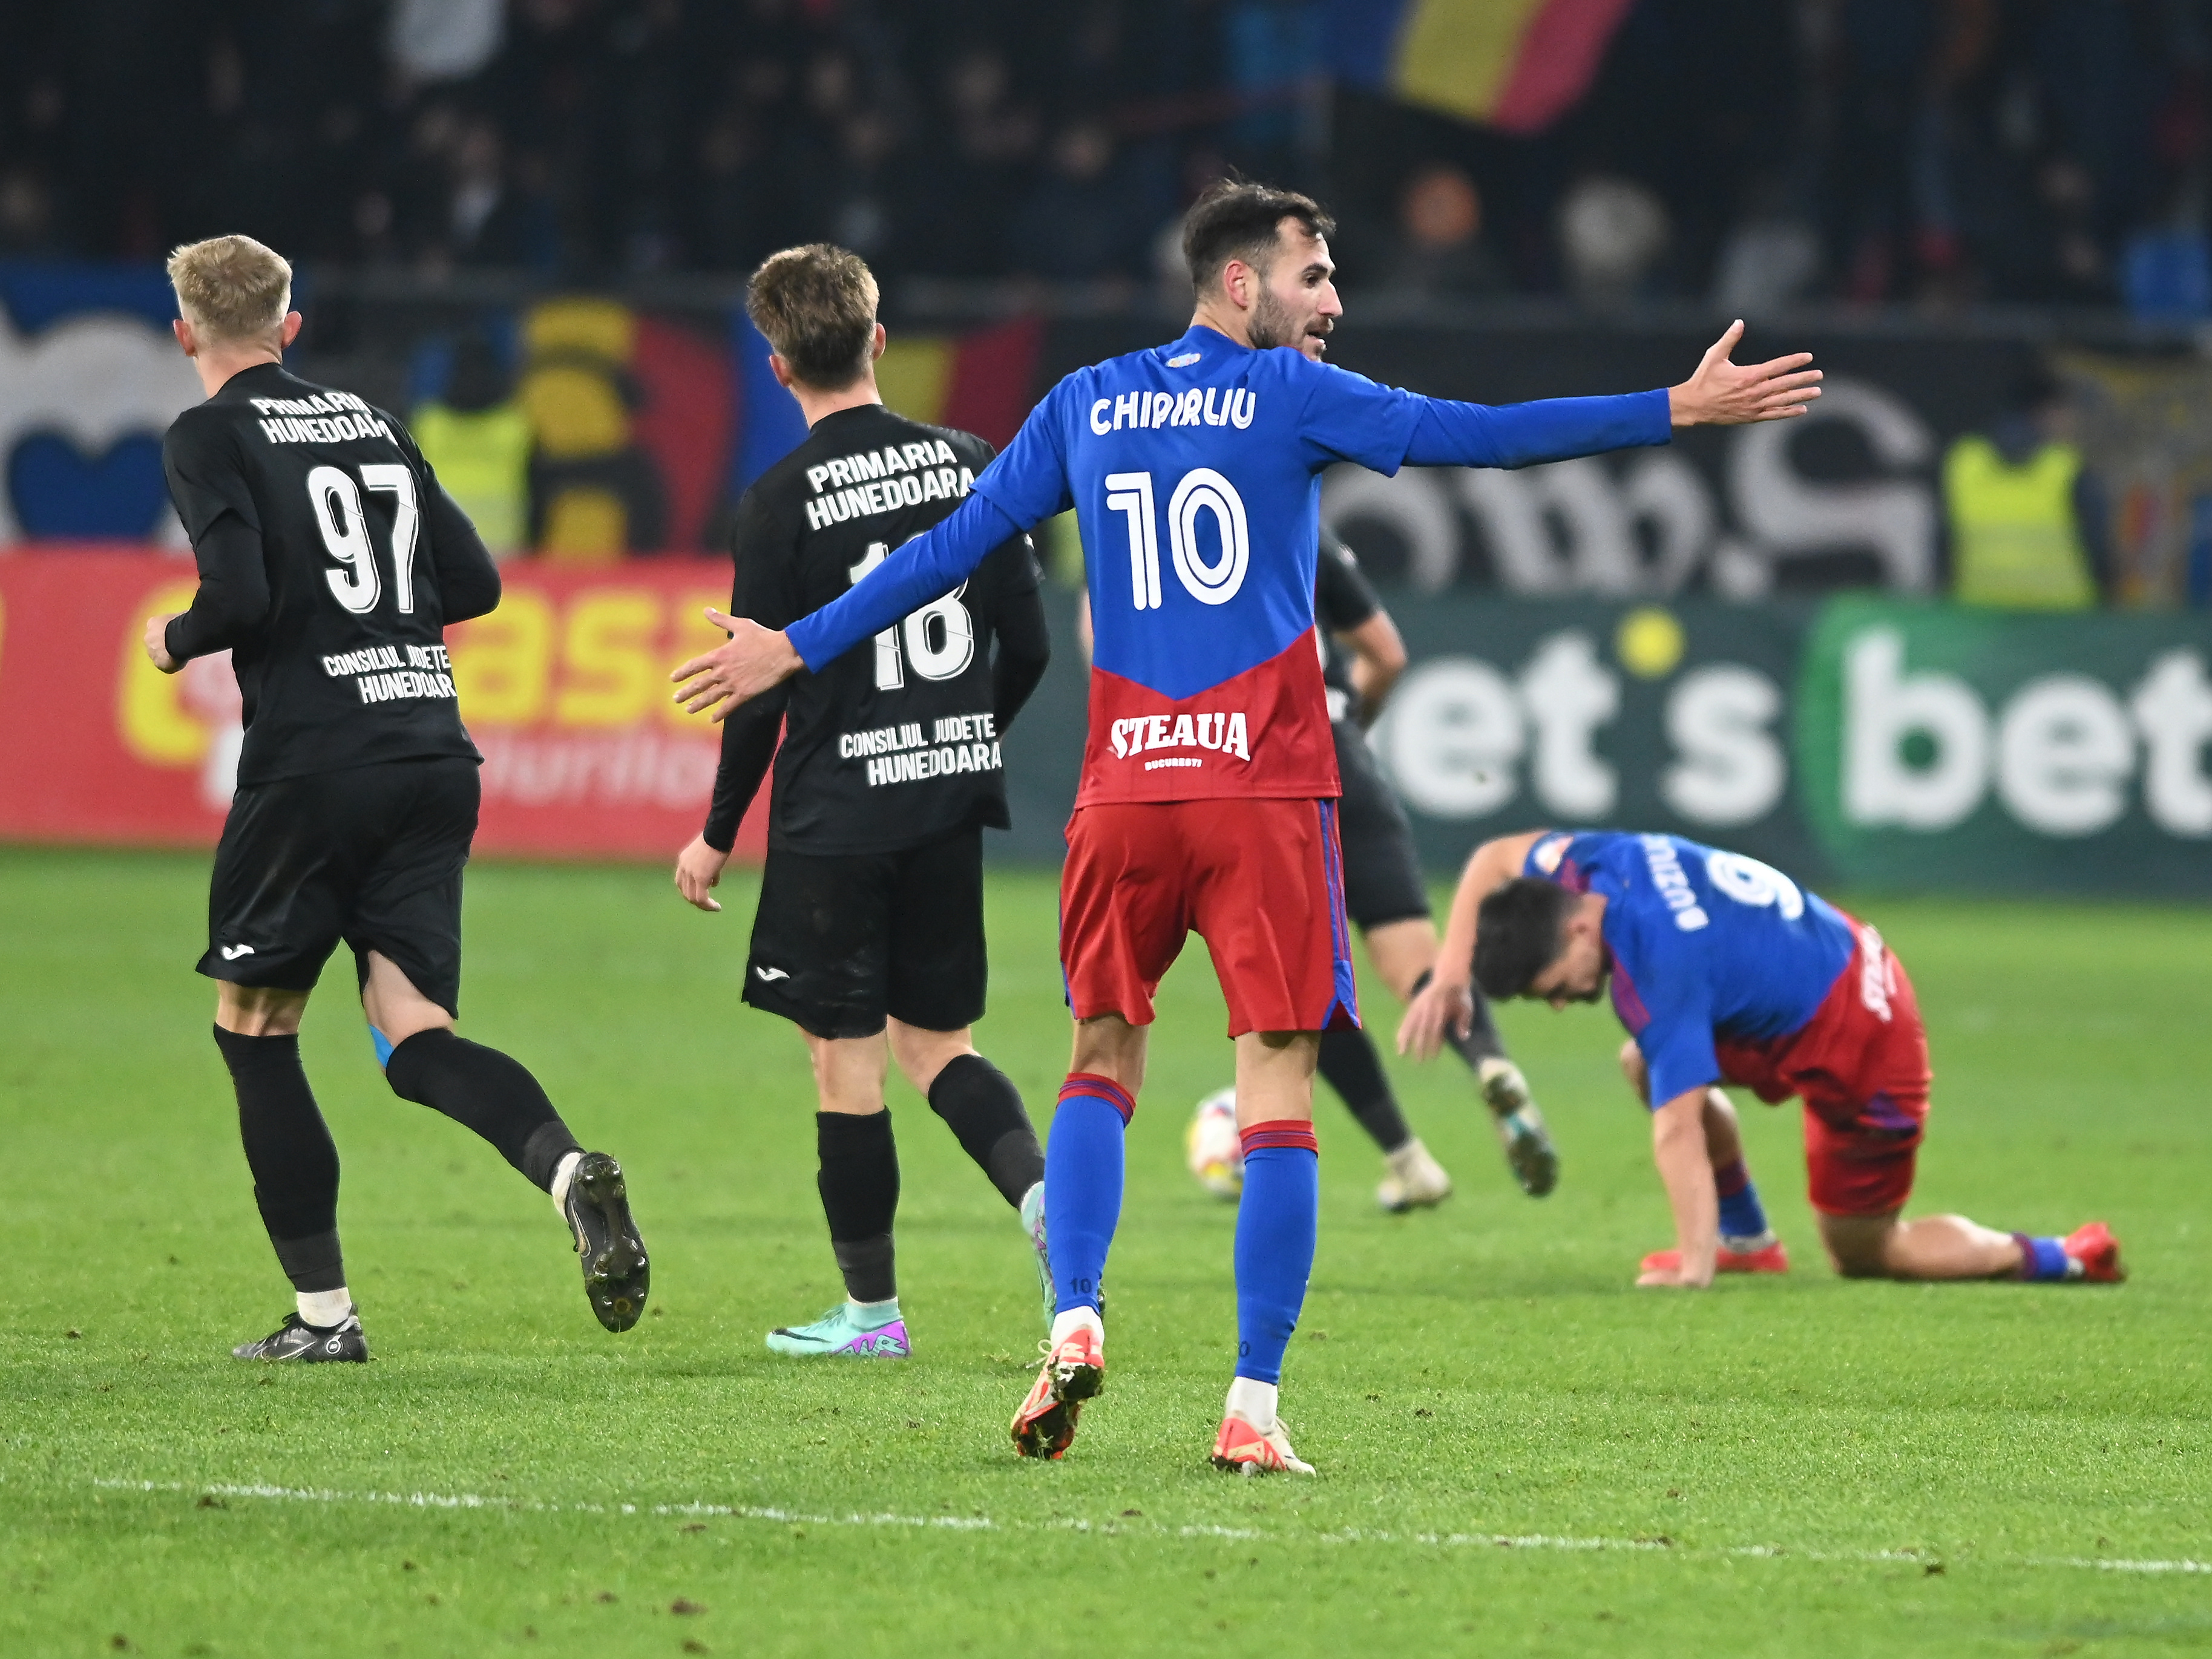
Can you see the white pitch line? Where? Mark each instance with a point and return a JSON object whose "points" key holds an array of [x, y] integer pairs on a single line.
{"points": [[1119, 1527]]}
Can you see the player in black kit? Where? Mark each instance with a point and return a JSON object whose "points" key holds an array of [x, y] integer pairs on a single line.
{"points": [[869, 934], [1388, 900], [330, 562]]}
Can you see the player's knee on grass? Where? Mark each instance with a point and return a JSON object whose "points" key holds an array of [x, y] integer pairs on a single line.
{"points": [[1633, 1068], [1859, 1244]]}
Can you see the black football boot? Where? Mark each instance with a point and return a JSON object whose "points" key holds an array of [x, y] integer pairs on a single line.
{"points": [[616, 1271], [309, 1345]]}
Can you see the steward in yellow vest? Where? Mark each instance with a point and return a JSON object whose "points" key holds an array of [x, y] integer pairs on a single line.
{"points": [[479, 440], [2024, 519]]}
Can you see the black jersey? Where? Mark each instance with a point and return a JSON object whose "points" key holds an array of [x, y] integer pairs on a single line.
{"points": [[1342, 601], [896, 743], [330, 562]]}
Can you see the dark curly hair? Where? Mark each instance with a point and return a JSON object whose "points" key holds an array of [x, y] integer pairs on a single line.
{"points": [[1519, 932]]}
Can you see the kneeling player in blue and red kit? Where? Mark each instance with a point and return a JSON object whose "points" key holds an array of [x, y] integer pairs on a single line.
{"points": [[1725, 971], [1209, 792]]}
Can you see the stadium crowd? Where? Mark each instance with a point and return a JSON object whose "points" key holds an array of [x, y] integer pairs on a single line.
{"points": [[1751, 152]]}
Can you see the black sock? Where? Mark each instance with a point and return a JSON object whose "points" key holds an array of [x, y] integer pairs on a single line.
{"points": [[859, 1187], [486, 1091], [983, 1108], [1354, 1070], [289, 1150], [1482, 1041]]}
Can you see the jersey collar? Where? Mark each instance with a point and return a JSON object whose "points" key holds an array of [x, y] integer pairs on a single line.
{"points": [[1205, 340]]}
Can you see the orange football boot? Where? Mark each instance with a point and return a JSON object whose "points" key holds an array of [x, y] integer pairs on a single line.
{"points": [[1241, 1446], [1074, 1371]]}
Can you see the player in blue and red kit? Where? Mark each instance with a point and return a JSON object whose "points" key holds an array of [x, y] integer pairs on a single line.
{"points": [[1725, 971], [1208, 795]]}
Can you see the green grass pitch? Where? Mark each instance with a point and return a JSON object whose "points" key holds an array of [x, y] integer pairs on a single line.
{"points": [[1801, 1467]]}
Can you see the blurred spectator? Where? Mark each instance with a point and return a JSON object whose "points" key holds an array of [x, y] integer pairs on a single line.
{"points": [[2028, 521], [2166, 275], [486, 222], [1770, 258], [1612, 232], [1440, 253], [477, 440], [1080, 221], [981, 164], [445, 39], [26, 214]]}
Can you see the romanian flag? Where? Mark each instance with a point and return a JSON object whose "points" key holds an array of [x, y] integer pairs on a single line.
{"points": [[1517, 65]]}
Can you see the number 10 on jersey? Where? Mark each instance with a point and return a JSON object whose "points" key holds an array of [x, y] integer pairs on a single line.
{"points": [[1210, 582]]}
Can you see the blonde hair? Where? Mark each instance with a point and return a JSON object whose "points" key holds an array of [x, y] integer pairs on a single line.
{"points": [[231, 287], [817, 305]]}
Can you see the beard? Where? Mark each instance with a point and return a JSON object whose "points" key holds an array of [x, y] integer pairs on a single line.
{"points": [[1274, 323]]}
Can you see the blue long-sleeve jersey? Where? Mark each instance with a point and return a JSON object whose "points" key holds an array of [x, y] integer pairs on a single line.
{"points": [[1193, 470]]}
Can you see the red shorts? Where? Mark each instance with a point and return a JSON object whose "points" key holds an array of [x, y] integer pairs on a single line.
{"points": [[1261, 882], [1860, 1064]]}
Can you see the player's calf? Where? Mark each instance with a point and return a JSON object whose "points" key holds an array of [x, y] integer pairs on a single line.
{"points": [[495, 1094], [1938, 1247], [858, 1182]]}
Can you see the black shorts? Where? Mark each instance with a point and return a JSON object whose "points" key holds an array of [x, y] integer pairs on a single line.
{"points": [[841, 941], [371, 855], [1382, 871]]}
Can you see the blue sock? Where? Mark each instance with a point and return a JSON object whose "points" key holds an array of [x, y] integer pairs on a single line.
{"points": [[1743, 1216], [1083, 1184], [1276, 1221], [2041, 1258]]}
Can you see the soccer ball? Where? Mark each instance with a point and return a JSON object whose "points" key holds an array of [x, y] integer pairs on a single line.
{"points": [[1212, 1147]]}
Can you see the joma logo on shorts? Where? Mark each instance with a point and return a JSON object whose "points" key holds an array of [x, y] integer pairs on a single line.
{"points": [[1224, 732]]}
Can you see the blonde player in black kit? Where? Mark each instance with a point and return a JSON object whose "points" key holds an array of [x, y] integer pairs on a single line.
{"points": [[331, 562], [869, 935]]}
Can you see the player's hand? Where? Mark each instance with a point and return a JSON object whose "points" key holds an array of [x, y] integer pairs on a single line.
{"points": [[1439, 1010], [1671, 1279], [756, 659], [157, 643], [1723, 394], [698, 868]]}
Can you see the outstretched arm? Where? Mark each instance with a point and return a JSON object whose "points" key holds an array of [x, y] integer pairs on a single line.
{"points": [[1445, 1004], [1720, 393], [927, 568]]}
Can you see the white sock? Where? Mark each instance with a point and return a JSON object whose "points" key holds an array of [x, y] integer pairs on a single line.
{"points": [[872, 1315], [1075, 1319], [562, 1173], [325, 1308], [1253, 1401]]}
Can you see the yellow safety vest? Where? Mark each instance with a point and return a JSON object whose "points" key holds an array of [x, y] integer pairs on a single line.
{"points": [[482, 459], [2013, 540]]}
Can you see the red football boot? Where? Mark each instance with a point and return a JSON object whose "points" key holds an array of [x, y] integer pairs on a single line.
{"points": [[2092, 1247], [1768, 1258]]}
